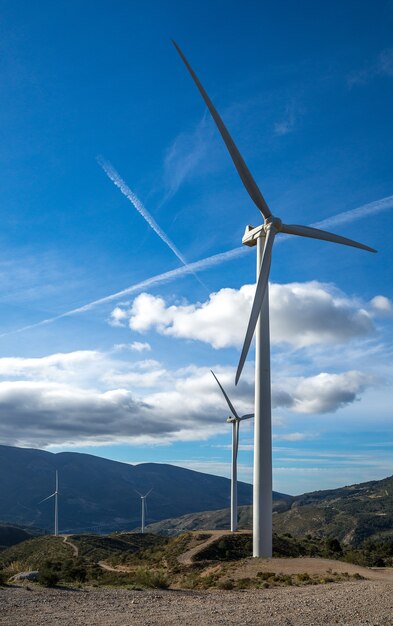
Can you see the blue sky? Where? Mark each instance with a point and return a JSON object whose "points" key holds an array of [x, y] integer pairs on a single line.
{"points": [[97, 106]]}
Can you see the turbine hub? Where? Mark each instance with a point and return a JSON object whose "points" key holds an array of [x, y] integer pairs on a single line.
{"points": [[273, 222]]}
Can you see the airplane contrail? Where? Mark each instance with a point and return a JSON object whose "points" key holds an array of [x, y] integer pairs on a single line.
{"points": [[347, 216], [117, 180], [190, 268], [378, 206]]}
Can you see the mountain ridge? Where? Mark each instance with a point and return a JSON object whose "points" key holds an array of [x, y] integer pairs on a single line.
{"points": [[100, 493], [351, 514]]}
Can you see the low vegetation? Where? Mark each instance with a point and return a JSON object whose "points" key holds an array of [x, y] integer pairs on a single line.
{"points": [[140, 561]]}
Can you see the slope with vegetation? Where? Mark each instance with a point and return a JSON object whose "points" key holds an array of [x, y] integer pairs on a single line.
{"points": [[218, 559], [351, 514]]}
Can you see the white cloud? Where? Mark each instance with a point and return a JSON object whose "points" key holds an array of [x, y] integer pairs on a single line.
{"points": [[294, 436], [60, 367], [380, 305], [140, 346], [118, 317], [211, 321], [41, 413], [91, 398], [302, 314], [326, 392]]}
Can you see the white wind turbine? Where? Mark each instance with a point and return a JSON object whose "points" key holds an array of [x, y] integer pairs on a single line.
{"points": [[235, 420], [144, 507], [262, 237], [55, 495]]}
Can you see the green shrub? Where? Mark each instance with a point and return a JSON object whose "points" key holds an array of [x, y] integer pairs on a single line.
{"points": [[227, 585], [333, 545], [155, 579], [265, 575], [48, 575], [3, 577], [73, 571], [304, 577]]}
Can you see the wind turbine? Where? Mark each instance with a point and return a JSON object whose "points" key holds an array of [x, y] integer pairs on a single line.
{"points": [[235, 420], [263, 237], [55, 495], [144, 508]]}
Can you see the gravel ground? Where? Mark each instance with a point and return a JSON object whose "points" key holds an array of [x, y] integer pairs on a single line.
{"points": [[351, 603]]}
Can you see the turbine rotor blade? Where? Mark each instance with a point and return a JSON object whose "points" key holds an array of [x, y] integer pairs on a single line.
{"points": [[242, 169], [145, 496], [258, 298], [246, 417], [229, 403], [315, 233], [48, 498]]}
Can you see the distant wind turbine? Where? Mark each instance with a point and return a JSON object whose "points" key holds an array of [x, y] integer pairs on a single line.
{"points": [[55, 495], [263, 237], [235, 420], [144, 508]]}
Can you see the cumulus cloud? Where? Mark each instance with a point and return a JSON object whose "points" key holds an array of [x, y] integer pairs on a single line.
{"points": [[382, 306], [301, 314], [304, 314], [40, 414], [324, 393], [140, 346], [210, 322], [118, 317], [90, 397], [64, 399], [60, 367]]}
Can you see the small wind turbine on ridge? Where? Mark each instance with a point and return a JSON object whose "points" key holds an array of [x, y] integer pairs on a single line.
{"points": [[263, 237], [144, 508], [235, 420], [55, 495]]}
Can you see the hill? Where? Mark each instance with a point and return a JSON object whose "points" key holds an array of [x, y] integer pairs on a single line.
{"points": [[11, 535], [99, 494], [351, 514]]}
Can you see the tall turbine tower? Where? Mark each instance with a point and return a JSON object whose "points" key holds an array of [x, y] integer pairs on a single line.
{"points": [[144, 508], [235, 420], [55, 495], [262, 237]]}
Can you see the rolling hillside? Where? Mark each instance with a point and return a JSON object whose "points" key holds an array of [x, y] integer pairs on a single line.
{"points": [[99, 494], [350, 514]]}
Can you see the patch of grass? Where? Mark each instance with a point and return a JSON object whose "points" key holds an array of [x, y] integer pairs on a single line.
{"points": [[3, 577], [155, 579], [227, 548], [16, 567], [35, 552]]}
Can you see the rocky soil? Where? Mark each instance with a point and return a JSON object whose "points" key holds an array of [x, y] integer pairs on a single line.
{"points": [[358, 603]]}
